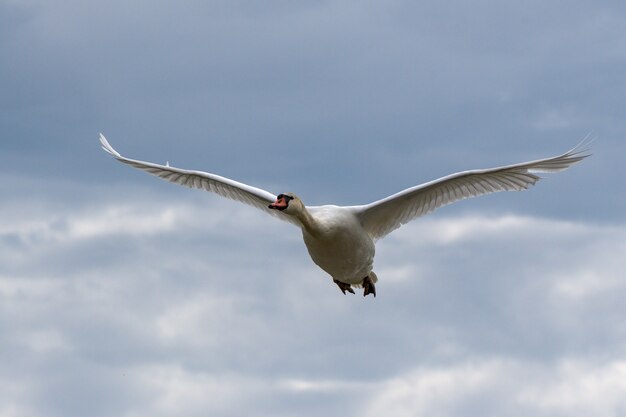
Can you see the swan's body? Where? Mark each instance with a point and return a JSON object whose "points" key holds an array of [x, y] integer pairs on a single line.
{"points": [[340, 240], [340, 246]]}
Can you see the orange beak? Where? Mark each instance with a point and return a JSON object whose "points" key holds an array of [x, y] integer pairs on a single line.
{"points": [[281, 203]]}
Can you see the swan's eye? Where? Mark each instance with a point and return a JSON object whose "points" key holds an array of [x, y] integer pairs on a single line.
{"points": [[284, 197]]}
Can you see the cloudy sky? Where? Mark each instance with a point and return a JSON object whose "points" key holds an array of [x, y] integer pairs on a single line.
{"points": [[123, 295]]}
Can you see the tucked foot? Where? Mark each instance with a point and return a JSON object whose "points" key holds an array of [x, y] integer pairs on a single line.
{"points": [[368, 286], [344, 287]]}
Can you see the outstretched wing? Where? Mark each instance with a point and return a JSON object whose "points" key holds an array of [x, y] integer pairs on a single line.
{"points": [[383, 216], [225, 187]]}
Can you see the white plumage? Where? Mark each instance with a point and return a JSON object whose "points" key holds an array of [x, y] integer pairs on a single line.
{"points": [[341, 240]]}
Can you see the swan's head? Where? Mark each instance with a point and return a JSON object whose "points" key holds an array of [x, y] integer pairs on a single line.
{"points": [[287, 202]]}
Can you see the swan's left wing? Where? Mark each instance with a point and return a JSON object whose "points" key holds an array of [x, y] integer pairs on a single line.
{"points": [[225, 187], [383, 216]]}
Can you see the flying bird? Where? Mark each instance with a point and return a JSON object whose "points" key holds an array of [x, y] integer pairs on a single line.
{"points": [[341, 239]]}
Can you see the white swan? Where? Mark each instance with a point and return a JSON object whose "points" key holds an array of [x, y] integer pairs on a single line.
{"points": [[341, 240]]}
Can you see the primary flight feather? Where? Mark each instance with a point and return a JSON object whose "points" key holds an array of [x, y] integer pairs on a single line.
{"points": [[340, 239]]}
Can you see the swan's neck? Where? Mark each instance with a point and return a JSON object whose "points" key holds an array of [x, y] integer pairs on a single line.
{"points": [[309, 224]]}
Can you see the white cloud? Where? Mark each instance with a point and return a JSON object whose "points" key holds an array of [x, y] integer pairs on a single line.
{"points": [[445, 231], [304, 385], [572, 387], [15, 399], [207, 322], [115, 219], [567, 388], [561, 118], [44, 340], [142, 217], [186, 302], [172, 390], [575, 259]]}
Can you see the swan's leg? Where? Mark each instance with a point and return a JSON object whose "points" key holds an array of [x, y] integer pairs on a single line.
{"points": [[368, 286], [343, 286]]}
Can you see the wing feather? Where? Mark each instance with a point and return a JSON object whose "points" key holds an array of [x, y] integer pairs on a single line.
{"points": [[225, 187], [383, 216]]}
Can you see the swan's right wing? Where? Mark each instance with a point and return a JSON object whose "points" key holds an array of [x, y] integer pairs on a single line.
{"points": [[225, 187], [383, 216]]}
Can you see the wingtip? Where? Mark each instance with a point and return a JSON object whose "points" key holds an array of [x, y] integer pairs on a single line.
{"points": [[107, 146], [562, 162], [583, 149]]}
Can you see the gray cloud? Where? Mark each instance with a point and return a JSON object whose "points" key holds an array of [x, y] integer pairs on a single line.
{"points": [[380, 96]]}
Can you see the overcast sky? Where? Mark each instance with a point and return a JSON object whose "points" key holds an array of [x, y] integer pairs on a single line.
{"points": [[123, 295]]}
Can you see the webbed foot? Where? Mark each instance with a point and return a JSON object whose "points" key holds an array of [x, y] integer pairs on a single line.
{"points": [[344, 287], [368, 286]]}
